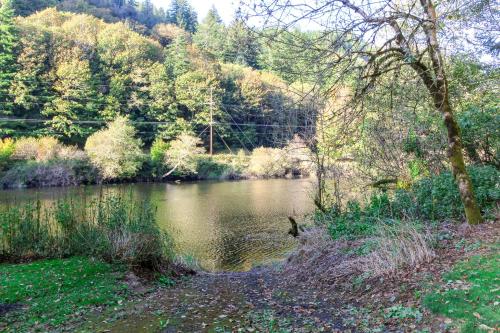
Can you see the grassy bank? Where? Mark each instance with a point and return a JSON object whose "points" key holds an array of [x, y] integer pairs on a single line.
{"points": [[115, 229], [46, 294], [61, 262], [470, 295]]}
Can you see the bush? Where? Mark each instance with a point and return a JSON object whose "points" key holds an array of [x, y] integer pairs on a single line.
{"points": [[112, 228], [430, 199], [115, 151], [268, 162], [222, 166], [437, 198], [157, 157], [50, 174], [182, 155], [6, 150], [42, 149]]}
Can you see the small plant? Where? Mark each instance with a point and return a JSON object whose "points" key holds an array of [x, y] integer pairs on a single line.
{"points": [[402, 312], [166, 281]]}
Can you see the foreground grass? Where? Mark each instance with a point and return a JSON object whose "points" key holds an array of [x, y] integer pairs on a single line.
{"points": [[471, 295], [53, 292]]}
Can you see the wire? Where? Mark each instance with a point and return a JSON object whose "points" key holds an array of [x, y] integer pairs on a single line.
{"points": [[32, 120]]}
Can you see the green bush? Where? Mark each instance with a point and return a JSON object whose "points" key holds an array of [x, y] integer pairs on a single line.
{"points": [[222, 166], [6, 150], [430, 199], [157, 157], [115, 229]]}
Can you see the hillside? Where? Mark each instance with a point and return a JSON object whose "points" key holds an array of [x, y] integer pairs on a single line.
{"points": [[75, 71]]}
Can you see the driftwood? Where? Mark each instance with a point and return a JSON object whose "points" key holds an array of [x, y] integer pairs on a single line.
{"points": [[294, 230]]}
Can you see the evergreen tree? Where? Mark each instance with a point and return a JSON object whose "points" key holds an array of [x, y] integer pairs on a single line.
{"points": [[210, 36], [183, 15], [177, 60], [147, 15], [242, 46], [8, 40]]}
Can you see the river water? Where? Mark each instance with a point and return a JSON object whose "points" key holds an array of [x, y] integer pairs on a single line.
{"points": [[231, 225]]}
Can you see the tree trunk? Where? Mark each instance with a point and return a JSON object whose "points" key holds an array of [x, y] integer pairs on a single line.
{"points": [[455, 155], [438, 88]]}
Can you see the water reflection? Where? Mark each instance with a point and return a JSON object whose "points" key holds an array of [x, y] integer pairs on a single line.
{"points": [[224, 225]]}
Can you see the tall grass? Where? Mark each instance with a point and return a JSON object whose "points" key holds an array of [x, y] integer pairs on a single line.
{"points": [[114, 228], [402, 244]]}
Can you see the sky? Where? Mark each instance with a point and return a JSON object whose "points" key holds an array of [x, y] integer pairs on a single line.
{"points": [[226, 8]]}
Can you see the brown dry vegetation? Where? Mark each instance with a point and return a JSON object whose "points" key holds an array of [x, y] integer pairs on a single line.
{"points": [[323, 286]]}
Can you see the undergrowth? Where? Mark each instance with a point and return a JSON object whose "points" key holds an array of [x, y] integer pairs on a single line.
{"points": [[430, 199]]}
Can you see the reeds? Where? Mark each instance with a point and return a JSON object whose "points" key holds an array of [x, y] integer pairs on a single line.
{"points": [[114, 228]]}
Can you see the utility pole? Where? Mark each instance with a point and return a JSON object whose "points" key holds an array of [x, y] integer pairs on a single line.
{"points": [[211, 120]]}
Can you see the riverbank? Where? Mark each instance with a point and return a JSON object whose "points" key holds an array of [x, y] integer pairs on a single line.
{"points": [[46, 162], [316, 289]]}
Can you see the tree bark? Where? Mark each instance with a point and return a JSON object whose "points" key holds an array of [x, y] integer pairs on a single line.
{"points": [[438, 89], [456, 157]]}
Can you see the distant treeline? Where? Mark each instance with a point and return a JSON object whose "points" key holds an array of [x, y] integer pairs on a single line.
{"points": [[67, 74]]}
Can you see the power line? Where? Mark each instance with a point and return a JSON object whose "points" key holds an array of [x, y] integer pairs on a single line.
{"points": [[33, 120]]}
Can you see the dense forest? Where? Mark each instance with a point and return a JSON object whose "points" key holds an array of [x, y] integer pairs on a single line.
{"points": [[72, 72], [69, 67]]}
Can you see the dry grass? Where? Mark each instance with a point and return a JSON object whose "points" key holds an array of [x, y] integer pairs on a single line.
{"points": [[321, 261], [398, 247]]}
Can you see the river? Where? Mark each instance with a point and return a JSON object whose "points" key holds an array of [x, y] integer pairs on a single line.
{"points": [[231, 225]]}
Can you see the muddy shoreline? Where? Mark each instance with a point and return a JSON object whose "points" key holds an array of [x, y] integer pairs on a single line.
{"points": [[289, 294]]}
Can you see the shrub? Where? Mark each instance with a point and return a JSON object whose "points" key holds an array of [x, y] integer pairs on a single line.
{"points": [[112, 228], [42, 149], [268, 162], [430, 199], [6, 150], [222, 166], [115, 151], [157, 157], [437, 198], [181, 157], [50, 173], [26, 149]]}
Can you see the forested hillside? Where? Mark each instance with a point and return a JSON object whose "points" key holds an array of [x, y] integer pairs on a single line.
{"points": [[73, 72]]}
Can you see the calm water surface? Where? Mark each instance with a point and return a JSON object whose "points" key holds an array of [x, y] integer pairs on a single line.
{"points": [[223, 225]]}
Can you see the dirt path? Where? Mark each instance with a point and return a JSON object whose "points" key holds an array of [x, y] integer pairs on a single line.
{"points": [[285, 300]]}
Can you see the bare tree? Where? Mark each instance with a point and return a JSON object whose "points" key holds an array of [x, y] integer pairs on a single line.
{"points": [[370, 38]]}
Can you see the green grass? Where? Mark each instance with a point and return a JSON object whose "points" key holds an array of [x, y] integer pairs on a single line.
{"points": [[52, 292], [471, 294]]}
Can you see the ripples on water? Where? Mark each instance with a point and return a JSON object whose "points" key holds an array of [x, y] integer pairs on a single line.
{"points": [[223, 225]]}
